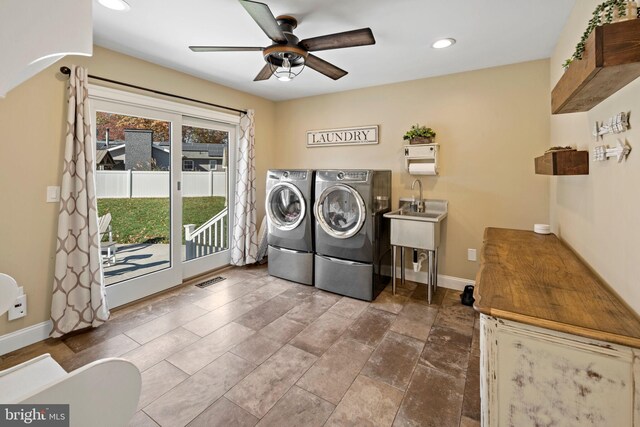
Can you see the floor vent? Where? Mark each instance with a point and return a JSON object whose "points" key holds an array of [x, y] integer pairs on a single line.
{"points": [[211, 282]]}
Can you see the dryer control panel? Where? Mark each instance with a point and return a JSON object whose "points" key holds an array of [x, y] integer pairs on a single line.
{"points": [[288, 175], [359, 176]]}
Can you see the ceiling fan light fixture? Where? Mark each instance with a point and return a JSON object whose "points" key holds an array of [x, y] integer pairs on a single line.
{"points": [[443, 43], [118, 5], [285, 72]]}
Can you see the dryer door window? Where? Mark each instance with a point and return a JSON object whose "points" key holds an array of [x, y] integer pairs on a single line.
{"points": [[285, 206], [340, 211]]}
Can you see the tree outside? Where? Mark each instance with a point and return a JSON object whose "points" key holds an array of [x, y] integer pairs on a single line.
{"points": [[116, 124]]}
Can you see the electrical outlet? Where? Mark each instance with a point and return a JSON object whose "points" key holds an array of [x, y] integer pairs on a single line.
{"points": [[19, 308], [471, 254]]}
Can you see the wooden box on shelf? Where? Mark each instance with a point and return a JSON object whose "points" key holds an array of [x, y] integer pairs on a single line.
{"points": [[610, 61], [420, 140], [569, 162]]}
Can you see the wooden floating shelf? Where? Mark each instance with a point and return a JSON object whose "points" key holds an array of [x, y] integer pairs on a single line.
{"points": [[610, 61], [563, 163]]}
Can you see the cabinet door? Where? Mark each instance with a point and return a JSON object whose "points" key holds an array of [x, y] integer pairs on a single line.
{"points": [[537, 377]]}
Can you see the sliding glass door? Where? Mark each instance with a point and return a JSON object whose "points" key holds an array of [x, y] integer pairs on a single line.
{"points": [[133, 183], [162, 183], [205, 194]]}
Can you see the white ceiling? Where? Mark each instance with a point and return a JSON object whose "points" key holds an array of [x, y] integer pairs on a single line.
{"points": [[489, 33]]}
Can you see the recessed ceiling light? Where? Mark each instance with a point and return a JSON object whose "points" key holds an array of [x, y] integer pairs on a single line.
{"points": [[119, 5], [442, 43]]}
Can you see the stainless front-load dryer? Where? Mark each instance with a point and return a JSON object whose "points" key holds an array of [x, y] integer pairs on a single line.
{"points": [[290, 224], [353, 250]]}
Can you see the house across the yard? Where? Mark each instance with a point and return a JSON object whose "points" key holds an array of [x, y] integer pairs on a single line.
{"points": [[139, 152]]}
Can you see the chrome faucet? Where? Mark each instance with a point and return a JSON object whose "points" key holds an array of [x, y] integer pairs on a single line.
{"points": [[419, 207]]}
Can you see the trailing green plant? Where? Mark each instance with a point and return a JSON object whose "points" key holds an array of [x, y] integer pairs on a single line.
{"points": [[418, 131], [603, 14]]}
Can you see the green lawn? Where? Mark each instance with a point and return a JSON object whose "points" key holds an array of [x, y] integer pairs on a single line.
{"points": [[147, 220]]}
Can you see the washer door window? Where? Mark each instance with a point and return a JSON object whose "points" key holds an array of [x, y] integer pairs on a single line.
{"points": [[340, 211], [285, 206]]}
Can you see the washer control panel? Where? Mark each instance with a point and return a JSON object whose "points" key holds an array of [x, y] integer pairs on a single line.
{"points": [[294, 175]]}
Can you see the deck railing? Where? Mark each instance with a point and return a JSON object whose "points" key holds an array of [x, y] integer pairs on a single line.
{"points": [[209, 238]]}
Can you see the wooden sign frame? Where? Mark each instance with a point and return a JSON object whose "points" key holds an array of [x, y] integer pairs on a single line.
{"points": [[361, 135]]}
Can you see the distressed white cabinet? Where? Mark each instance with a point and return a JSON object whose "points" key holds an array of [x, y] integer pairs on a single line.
{"points": [[533, 376], [557, 347]]}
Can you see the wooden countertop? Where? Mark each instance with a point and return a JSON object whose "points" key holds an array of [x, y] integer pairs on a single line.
{"points": [[536, 279]]}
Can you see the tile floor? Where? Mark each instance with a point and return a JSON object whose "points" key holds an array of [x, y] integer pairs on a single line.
{"points": [[257, 350]]}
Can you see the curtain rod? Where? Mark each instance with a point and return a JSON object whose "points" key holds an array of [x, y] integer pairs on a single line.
{"points": [[67, 71]]}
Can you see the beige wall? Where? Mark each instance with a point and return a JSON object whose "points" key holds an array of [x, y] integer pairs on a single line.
{"points": [[31, 148], [490, 123], [598, 214]]}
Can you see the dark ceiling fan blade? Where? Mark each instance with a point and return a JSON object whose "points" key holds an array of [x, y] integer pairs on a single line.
{"points": [[322, 66], [261, 13], [224, 49], [264, 74], [361, 37]]}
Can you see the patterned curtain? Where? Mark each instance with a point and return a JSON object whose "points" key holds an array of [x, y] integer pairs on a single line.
{"points": [[79, 299], [244, 245]]}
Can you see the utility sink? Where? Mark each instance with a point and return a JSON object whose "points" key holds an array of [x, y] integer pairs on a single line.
{"points": [[420, 230], [406, 214]]}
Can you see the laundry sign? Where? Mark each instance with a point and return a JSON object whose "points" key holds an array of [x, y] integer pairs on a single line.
{"points": [[363, 135]]}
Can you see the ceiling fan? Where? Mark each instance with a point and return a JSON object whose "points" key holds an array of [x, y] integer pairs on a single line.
{"points": [[288, 52]]}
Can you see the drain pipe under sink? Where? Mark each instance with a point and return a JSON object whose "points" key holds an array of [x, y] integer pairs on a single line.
{"points": [[418, 259]]}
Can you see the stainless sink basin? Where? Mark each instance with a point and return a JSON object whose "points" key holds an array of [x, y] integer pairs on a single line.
{"points": [[420, 230], [407, 214]]}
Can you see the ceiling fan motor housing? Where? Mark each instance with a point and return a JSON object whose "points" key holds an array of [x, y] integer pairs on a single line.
{"points": [[276, 53]]}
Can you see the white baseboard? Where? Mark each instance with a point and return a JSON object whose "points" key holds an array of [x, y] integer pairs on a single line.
{"points": [[24, 337], [449, 282]]}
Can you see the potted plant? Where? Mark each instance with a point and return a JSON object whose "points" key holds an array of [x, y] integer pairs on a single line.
{"points": [[419, 135], [607, 12]]}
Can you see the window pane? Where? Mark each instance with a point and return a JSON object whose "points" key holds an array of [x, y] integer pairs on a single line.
{"points": [[133, 161], [204, 191]]}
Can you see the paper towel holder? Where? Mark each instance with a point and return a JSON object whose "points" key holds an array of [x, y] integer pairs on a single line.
{"points": [[419, 155]]}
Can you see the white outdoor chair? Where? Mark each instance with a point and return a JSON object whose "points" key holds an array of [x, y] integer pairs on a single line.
{"points": [[108, 246], [102, 393]]}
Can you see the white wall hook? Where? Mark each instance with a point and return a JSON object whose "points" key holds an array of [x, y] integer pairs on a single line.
{"points": [[616, 124], [620, 151]]}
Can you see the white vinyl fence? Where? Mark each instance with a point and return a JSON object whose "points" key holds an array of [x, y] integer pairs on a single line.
{"points": [[131, 184]]}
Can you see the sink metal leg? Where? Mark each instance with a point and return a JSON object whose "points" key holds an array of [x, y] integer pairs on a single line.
{"points": [[394, 250], [430, 278], [402, 265], [435, 271]]}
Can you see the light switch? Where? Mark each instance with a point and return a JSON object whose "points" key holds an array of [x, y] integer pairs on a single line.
{"points": [[471, 254], [53, 194]]}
